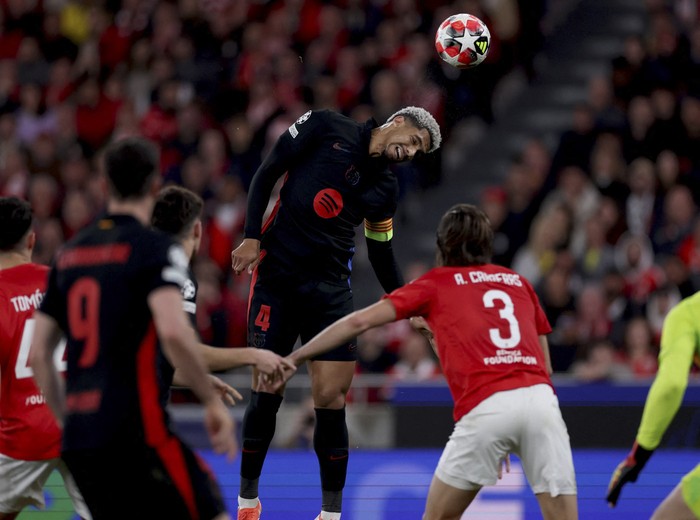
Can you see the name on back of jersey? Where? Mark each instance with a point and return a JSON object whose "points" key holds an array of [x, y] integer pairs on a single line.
{"points": [[511, 279], [24, 303]]}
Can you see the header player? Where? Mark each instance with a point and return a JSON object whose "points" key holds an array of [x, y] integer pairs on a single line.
{"points": [[336, 179], [30, 440], [114, 290], [680, 346], [490, 334]]}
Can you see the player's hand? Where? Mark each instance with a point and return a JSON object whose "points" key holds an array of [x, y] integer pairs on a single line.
{"points": [[272, 384], [228, 394], [220, 428], [273, 365], [246, 256], [420, 325], [627, 471]]}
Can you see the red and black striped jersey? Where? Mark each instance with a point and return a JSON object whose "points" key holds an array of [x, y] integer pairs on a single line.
{"points": [[98, 293]]}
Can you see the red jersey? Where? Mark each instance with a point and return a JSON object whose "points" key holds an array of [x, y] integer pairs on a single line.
{"points": [[487, 321], [28, 430]]}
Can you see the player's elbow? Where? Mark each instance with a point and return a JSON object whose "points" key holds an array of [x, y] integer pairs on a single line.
{"points": [[358, 322]]}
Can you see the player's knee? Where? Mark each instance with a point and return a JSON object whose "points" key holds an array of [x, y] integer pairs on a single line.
{"points": [[329, 397]]}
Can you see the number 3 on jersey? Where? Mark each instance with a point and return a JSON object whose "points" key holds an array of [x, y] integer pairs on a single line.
{"points": [[506, 313]]}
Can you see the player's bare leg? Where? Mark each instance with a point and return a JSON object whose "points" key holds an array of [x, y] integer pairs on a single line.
{"points": [[330, 382], [561, 507], [446, 502], [674, 507]]}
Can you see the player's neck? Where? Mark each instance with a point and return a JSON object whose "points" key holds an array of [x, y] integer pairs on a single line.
{"points": [[377, 141], [139, 209], [13, 259]]}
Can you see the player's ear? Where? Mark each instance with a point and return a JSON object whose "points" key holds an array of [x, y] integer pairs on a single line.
{"points": [[197, 230], [399, 120], [31, 240], [156, 184]]}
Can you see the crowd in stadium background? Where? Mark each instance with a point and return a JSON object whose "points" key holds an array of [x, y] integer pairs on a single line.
{"points": [[604, 225]]}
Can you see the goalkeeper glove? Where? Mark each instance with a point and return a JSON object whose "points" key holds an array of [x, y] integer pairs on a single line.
{"points": [[627, 471]]}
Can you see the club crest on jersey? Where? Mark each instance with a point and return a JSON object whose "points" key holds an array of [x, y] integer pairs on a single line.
{"points": [[259, 340], [352, 175]]}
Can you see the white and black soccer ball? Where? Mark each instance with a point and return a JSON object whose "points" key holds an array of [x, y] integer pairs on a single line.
{"points": [[463, 41]]}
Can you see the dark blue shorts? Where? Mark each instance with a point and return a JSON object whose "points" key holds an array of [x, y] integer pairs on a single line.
{"points": [[286, 306], [141, 482]]}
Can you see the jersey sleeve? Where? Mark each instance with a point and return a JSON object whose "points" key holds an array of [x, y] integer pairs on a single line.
{"points": [[292, 144], [165, 264], [51, 304], [413, 299], [679, 340]]}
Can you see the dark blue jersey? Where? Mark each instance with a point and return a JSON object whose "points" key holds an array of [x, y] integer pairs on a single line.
{"points": [[331, 185], [98, 291]]}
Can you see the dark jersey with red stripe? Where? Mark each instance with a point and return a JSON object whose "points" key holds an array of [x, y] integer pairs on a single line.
{"points": [[98, 290], [331, 185]]}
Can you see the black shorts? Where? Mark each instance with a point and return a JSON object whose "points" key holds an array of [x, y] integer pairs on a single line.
{"points": [[285, 306], [144, 483]]}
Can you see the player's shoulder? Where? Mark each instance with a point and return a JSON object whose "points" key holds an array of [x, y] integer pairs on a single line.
{"points": [[688, 309]]}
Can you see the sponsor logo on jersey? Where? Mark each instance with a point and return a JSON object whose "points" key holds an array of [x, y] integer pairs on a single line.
{"points": [[328, 203], [338, 146], [352, 175]]}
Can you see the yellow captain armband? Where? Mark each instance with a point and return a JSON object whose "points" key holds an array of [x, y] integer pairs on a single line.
{"points": [[380, 231]]}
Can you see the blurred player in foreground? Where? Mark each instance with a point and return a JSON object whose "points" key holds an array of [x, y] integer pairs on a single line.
{"points": [[178, 212], [30, 440], [489, 332], [337, 177], [680, 343], [114, 290]]}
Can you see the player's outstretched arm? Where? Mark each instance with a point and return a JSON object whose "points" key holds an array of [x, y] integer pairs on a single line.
{"points": [[345, 329], [180, 346], [544, 345], [47, 334], [267, 362], [678, 344]]}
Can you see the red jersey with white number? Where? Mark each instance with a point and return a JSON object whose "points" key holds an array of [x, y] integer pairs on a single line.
{"points": [[28, 430], [487, 321]]}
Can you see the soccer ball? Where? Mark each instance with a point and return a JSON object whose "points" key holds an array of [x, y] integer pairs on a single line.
{"points": [[462, 41]]}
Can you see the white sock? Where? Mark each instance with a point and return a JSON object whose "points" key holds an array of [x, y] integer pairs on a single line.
{"points": [[245, 503], [325, 515]]}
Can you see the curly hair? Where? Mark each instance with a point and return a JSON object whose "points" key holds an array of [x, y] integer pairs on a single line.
{"points": [[421, 118]]}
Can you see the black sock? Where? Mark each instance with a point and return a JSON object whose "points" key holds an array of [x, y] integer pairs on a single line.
{"points": [[331, 446], [259, 424]]}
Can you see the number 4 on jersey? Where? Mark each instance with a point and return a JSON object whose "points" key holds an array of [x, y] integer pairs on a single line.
{"points": [[262, 320], [22, 368]]}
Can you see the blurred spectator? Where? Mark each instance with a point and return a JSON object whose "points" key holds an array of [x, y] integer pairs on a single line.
{"points": [[549, 233], [634, 257], [676, 222], [601, 363], [416, 361], [640, 351], [660, 302], [592, 320]]}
